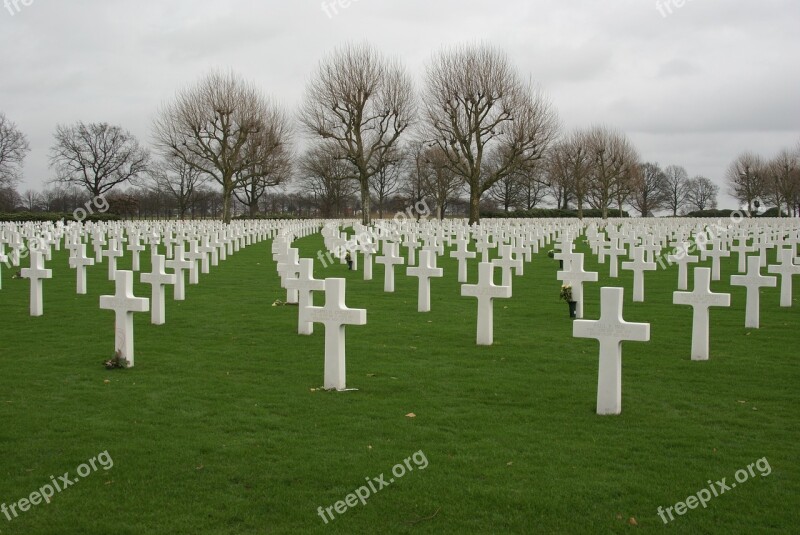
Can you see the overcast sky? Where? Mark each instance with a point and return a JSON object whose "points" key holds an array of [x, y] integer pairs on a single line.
{"points": [[691, 85]]}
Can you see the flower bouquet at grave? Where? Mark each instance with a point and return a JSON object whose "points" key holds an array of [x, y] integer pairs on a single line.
{"points": [[566, 293], [117, 361]]}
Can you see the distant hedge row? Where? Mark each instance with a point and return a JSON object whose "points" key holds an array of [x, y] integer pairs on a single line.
{"points": [[264, 216], [21, 217], [551, 213], [772, 212]]}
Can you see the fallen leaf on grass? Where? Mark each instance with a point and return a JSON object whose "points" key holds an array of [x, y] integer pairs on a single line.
{"points": [[411, 415], [632, 521]]}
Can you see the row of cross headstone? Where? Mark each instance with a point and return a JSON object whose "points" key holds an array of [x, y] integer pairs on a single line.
{"points": [[424, 243], [189, 249]]}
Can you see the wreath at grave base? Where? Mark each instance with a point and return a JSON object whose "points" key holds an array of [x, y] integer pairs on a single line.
{"points": [[117, 361]]}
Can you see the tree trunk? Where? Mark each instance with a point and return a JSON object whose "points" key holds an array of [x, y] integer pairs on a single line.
{"points": [[474, 207], [365, 202], [226, 205]]}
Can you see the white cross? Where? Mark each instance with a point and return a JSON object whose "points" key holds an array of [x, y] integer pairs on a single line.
{"points": [[753, 281], [424, 271], [411, 243], [3, 260], [741, 248], [638, 266], [462, 253], [614, 251], [193, 256], [157, 280], [506, 262], [485, 290], [716, 252], [785, 269], [700, 299], [112, 254], [683, 259], [610, 330], [335, 315], [79, 263], [368, 249], [179, 264], [36, 273], [124, 304], [288, 267], [135, 248], [304, 284], [389, 260], [575, 276]]}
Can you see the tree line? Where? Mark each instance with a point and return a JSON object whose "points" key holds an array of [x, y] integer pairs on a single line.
{"points": [[476, 136]]}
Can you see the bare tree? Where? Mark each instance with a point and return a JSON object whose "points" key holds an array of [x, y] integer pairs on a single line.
{"points": [[386, 181], [533, 186], [9, 199], [329, 178], [746, 178], [13, 149], [31, 200], [225, 128], [480, 114], [675, 178], [439, 181], [419, 172], [613, 162], [274, 169], [506, 192], [97, 157], [649, 189], [701, 193], [571, 165], [178, 180], [362, 102], [781, 176]]}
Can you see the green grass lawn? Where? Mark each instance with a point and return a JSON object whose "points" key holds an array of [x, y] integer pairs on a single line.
{"points": [[221, 429]]}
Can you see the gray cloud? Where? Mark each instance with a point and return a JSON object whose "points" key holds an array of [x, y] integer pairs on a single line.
{"points": [[693, 88]]}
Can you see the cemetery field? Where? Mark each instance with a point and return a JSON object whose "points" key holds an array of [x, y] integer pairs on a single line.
{"points": [[222, 426]]}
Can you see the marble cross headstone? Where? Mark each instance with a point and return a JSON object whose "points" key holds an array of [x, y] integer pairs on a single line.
{"points": [[157, 280], [638, 266], [112, 253], [574, 276], [683, 259], [462, 253], [785, 269], [179, 264], [389, 259], [700, 299], [610, 330], [36, 273], [335, 315], [79, 263], [753, 281], [485, 290], [124, 304], [304, 284], [425, 271]]}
